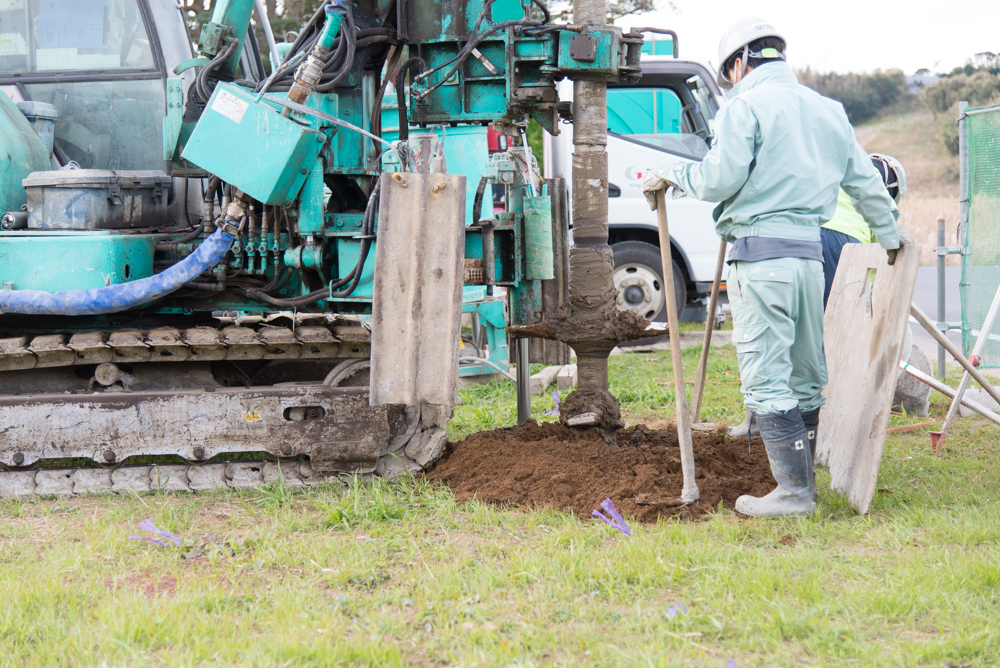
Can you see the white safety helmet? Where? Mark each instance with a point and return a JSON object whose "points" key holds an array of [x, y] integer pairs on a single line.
{"points": [[738, 37], [892, 173]]}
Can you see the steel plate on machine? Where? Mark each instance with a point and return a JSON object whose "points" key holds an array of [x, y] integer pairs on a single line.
{"points": [[417, 306], [865, 324]]}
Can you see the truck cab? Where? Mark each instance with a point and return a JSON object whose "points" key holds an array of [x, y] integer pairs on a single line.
{"points": [[670, 112]]}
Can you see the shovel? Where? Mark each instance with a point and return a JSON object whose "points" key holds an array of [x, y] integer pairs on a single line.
{"points": [[689, 492]]}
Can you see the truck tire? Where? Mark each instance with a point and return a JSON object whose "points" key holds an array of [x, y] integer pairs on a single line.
{"points": [[639, 279]]}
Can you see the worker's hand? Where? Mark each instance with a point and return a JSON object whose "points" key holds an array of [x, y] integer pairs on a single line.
{"points": [[904, 240], [651, 183]]}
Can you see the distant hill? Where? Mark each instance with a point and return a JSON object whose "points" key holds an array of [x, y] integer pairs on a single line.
{"points": [[908, 132]]}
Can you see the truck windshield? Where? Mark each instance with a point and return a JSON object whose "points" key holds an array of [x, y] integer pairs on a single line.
{"points": [[653, 117], [39, 36]]}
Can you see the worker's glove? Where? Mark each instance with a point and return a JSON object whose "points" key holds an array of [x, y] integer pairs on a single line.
{"points": [[904, 240], [652, 183]]}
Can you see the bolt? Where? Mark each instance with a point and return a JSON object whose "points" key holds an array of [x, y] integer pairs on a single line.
{"points": [[18, 458], [286, 449], [199, 453], [313, 413], [305, 171], [109, 456]]}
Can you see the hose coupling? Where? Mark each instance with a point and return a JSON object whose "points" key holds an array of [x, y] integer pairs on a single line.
{"points": [[234, 218]]}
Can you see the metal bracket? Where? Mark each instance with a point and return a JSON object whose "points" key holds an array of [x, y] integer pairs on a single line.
{"points": [[114, 190], [583, 48], [950, 250]]}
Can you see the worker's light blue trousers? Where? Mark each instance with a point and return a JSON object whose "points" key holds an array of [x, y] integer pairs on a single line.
{"points": [[778, 332]]}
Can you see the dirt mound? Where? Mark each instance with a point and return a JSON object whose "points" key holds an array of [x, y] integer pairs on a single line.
{"points": [[552, 465]]}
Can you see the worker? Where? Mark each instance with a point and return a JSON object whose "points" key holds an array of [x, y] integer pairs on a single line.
{"points": [[780, 154], [848, 226]]}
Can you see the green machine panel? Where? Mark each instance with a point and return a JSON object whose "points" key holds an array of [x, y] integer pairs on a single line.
{"points": [[250, 145], [55, 261]]}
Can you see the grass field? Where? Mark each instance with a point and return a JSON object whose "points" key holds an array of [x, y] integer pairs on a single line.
{"points": [[375, 573]]}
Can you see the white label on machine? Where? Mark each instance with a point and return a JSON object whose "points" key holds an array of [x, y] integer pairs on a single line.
{"points": [[230, 106]]}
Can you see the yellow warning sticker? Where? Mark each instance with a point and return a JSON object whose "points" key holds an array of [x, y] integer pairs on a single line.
{"points": [[251, 416]]}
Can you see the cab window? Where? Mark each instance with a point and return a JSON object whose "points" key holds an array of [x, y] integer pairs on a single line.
{"points": [[73, 35]]}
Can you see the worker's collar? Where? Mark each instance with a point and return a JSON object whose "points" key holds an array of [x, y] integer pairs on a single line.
{"points": [[773, 72]]}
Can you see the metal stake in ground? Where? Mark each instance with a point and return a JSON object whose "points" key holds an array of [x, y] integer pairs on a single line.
{"points": [[689, 493], [937, 437], [699, 379]]}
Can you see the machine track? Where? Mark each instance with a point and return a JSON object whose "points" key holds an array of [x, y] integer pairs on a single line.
{"points": [[311, 431], [66, 482], [324, 337]]}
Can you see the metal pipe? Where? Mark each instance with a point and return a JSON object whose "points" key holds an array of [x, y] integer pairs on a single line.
{"points": [[948, 392], [963, 171], [591, 259], [954, 351], [523, 381], [272, 47], [984, 335], [940, 294]]}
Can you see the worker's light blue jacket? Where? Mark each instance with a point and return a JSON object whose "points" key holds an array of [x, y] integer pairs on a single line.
{"points": [[781, 153]]}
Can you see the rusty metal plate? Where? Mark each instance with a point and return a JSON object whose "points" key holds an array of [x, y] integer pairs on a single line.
{"points": [[417, 306]]}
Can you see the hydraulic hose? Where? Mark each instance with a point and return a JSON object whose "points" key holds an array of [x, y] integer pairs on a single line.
{"points": [[404, 122], [124, 296]]}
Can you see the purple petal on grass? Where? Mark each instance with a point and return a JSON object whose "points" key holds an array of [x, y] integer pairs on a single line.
{"points": [[615, 520], [151, 540], [671, 612], [731, 663], [609, 507], [555, 398], [147, 525]]}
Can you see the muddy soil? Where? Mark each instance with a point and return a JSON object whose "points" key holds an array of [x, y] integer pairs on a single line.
{"points": [[555, 466]]}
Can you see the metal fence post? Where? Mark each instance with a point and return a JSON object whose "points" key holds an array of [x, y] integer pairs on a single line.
{"points": [[940, 293]]}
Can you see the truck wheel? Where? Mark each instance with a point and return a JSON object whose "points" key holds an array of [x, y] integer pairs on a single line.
{"points": [[639, 279]]}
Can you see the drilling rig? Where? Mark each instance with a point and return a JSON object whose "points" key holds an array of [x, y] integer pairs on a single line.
{"points": [[215, 274]]}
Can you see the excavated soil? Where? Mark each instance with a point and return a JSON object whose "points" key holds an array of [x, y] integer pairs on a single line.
{"points": [[559, 467]]}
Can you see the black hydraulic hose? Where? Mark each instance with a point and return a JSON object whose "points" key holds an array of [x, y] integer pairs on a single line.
{"points": [[467, 50], [351, 39], [545, 10], [367, 228], [477, 203], [190, 236], [475, 28], [404, 123], [202, 80], [376, 113]]}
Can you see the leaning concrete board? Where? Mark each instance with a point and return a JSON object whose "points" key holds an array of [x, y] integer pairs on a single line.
{"points": [[417, 305], [865, 327]]}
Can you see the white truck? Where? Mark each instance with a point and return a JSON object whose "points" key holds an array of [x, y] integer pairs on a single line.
{"points": [[670, 111]]}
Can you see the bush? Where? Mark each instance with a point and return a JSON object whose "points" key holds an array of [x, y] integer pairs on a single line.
{"points": [[863, 95], [978, 89]]}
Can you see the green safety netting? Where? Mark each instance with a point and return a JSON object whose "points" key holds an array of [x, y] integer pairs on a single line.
{"points": [[981, 258]]}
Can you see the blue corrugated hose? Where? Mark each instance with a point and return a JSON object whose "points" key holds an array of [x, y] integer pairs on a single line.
{"points": [[123, 296]]}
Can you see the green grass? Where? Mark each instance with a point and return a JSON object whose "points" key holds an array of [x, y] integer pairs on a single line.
{"points": [[386, 574]]}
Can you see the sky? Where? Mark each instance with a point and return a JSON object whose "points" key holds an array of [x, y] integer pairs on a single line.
{"points": [[843, 36]]}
